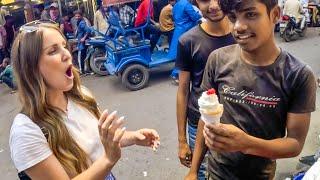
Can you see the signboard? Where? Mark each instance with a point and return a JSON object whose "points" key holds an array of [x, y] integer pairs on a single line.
{"points": [[4, 2]]}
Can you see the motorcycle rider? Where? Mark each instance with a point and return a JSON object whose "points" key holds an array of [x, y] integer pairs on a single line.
{"points": [[293, 8]]}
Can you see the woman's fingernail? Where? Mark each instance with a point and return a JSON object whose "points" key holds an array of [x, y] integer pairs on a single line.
{"points": [[113, 113], [123, 129], [121, 118]]}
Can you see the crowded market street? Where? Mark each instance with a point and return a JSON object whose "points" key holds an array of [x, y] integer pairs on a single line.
{"points": [[155, 107]]}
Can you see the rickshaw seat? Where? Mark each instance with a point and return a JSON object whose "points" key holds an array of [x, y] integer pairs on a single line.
{"points": [[116, 26]]}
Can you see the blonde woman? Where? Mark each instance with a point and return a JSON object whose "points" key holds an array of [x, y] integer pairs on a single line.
{"points": [[60, 133]]}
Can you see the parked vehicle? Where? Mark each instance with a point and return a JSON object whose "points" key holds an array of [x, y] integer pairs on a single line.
{"points": [[129, 55], [290, 30], [96, 55]]}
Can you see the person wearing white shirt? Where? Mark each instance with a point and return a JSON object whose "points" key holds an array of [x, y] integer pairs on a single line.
{"points": [[60, 133], [293, 8], [100, 21]]}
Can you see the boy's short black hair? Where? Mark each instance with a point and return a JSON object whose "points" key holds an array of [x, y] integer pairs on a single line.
{"points": [[229, 5]]}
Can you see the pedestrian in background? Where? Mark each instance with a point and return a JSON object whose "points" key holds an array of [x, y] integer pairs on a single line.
{"points": [[3, 43], [6, 76], [45, 16], [3, 13], [10, 30], [55, 13], [127, 15], [5, 62], [185, 17], [74, 22], [166, 20], [152, 31], [66, 26], [28, 11], [82, 33], [100, 20]]}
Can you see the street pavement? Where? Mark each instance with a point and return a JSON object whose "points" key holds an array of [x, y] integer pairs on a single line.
{"points": [[154, 107]]}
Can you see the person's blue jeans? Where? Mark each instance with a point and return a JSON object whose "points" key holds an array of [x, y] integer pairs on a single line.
{"points": [[192, 132], [81, 59], [8, 81], [110, 177]]}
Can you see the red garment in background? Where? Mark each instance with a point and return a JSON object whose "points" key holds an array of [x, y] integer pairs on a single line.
{"points": [[143, 13], [67, 26]]}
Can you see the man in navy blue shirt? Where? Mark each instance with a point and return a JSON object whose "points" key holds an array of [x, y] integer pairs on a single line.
{"points": [[193, 50]]}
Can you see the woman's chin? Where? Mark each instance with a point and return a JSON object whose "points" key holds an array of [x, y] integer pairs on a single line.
{"points": [[68, 87]]}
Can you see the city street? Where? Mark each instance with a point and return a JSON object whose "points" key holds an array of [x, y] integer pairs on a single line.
{"points": [[154, 107]]}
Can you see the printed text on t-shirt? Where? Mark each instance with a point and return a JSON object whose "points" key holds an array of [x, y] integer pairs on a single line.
{"points": [[249, 97]]}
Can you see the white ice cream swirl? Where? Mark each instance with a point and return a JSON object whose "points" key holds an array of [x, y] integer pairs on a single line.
{"points": [[209, 103]]}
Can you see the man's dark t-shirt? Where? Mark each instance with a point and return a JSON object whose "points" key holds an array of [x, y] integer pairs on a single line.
{"points": [[256, 99], [193, 50]]}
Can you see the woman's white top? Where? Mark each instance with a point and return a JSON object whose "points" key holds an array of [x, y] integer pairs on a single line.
{"points": [[29, 146], [313, 172]]}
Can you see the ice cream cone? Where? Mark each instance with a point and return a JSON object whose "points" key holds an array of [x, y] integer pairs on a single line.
{"points": [[213, 117], [207, 118], [210, 108]]}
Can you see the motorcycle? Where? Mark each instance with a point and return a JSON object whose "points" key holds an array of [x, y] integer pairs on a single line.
{"points": [[290, 30], [96, 55]]}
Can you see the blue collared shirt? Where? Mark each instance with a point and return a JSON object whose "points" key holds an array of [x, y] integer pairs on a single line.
{"points": [[184, 15], [81, 31]]}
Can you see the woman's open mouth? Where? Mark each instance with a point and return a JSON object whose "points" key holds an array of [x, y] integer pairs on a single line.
{"points": [[69, 73]]}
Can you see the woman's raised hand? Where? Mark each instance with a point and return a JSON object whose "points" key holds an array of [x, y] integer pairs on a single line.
{"points": [[111, 132]]}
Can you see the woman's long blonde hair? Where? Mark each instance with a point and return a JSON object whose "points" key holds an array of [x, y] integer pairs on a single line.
{"points": [[26, 52]]}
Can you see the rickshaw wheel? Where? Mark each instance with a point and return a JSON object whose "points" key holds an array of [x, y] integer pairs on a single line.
{"points": [[135, 77]]}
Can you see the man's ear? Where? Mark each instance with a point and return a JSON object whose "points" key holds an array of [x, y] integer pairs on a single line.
{"points": [[275, 14]]}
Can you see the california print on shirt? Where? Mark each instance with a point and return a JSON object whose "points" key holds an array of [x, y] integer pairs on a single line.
{"points": [[242, 96]]}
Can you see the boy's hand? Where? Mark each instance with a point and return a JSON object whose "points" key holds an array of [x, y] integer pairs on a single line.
{"points": [[225, 138], [185, 154]]}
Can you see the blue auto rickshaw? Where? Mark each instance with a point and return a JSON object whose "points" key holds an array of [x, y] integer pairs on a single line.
{"points": [[128, 53]]}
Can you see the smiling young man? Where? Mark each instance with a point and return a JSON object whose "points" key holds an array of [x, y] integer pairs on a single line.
{"points": [[193, 50], [267, 94]]}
